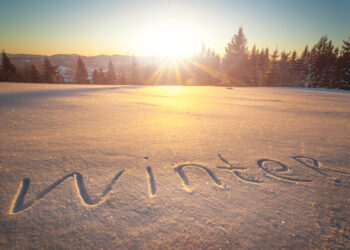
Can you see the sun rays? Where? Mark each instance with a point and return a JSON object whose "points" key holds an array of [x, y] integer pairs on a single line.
{"points": [[186, 71]]}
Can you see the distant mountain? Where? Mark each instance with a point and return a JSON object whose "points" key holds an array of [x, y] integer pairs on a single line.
{"points": [[66, 63]]}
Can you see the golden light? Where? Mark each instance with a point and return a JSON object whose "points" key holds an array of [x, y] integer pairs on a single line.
{"points": [[171, 38], [177, 41]]}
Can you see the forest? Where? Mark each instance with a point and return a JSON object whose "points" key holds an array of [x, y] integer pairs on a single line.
{"points": [[320, 66]]}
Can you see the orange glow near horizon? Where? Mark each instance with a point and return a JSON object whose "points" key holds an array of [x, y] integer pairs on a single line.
{"points": [[171, 67], [165, 28]]}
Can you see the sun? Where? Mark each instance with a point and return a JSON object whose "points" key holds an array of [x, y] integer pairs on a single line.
{"points": [[170, 38], [173, 40]]}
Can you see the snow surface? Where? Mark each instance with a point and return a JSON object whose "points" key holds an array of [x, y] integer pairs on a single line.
{"points": [[173, 167]]}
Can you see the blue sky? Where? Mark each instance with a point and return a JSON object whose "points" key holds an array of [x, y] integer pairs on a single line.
{"points": [[154, 27]]}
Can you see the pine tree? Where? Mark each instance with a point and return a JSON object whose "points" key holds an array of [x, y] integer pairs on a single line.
{"points": [[8, 69], [254, 66], [207, 58], [263, 66], [302, 69], [99, 77], [322, 61], [134, 71], [102, 76], [273, 77], [81, 75], [111, 73], [34, 75], [49, 72], [23, 73], [213, 63], [284, 70], [236, 57], [95, 77], [146, 71], [343, 66], [121, 77], [200, 76], [293, 69]]}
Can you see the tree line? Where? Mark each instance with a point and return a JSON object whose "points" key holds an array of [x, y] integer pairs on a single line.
{"points": [[49, 73], [30, 73], [322, 65]]}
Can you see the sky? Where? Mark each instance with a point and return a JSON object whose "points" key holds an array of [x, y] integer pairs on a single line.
{"points": [[159, 27]]}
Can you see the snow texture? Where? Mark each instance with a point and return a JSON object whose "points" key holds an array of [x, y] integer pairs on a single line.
{"points": [[173, 167]]}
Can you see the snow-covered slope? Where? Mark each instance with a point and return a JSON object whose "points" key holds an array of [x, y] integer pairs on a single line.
{"points": [[173, 167]]}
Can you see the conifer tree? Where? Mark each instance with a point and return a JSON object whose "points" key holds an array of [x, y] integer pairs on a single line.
{"points": [[322, 61], [34, 75], [343, 66], [200, 76], [134, 71], [254, 66], [284, 70], [81, 75], [8, 69], [346, 48], [272, 78], [302, 69], [207, 58], [236, 57], [102, 76], [24, 73], [263, 66], [99, 77], [95, 77], [146, 73], [121, 77], [212, 61], [49, 72], [111, 78], [293, 68]]}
